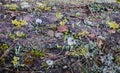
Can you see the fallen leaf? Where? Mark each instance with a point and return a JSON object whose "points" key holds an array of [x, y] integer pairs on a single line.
{"points": [[99, 41], [62, 28]]}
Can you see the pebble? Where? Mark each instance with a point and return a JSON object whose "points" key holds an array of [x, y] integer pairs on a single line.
{"points": [[38, 21], [50, 62]]}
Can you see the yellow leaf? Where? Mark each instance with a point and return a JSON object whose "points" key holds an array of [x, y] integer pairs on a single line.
{"points": [[15, 22], [113, 25], [18, 23]]}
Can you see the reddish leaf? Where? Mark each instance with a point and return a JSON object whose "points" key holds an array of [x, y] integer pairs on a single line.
{"points": [[62, 28]]}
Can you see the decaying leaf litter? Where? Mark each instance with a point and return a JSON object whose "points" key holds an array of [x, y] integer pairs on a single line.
{"points": [[63, 38]]}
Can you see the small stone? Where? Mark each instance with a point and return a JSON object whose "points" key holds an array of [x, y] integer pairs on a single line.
{"points": [[71, 41], [25, 5], [38, 21], [65, 67], [50, 62]]}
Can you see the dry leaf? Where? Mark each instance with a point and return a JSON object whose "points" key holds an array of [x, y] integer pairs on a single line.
{"points": [[62, 28], [99, 41]]}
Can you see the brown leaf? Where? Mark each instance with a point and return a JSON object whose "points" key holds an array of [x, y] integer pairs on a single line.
{"points": [[62, 28], [99, 41]]}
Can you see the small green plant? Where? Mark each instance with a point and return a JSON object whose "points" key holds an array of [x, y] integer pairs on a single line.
{"points": [[58, 15], [11, 6], [20, 34], [3, 46], [44, 64], [83, 33], [15, 61], [2, 60], [43, 6], [63, 22], [12, 36], [113, 25], [76, 36], [18, 23], [80, 51], [117, 60], [17, 34], [38, 53], [53, 26]]}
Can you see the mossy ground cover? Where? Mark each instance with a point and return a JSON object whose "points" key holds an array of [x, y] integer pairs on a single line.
{"points": [[40, 37]]}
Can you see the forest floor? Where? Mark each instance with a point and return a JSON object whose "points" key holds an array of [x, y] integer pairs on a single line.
{"points": [[60, 38]]}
